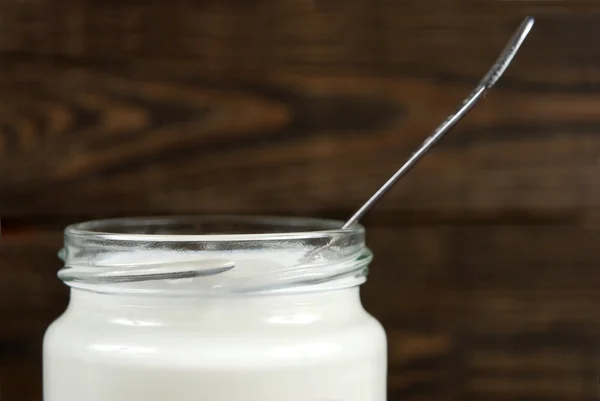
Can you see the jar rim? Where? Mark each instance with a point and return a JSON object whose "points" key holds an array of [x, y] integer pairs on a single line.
{"points": [[133, 229], [221, 254]]}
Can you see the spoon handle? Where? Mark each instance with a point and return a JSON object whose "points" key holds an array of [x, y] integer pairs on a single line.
{"points": [[484, 85]]}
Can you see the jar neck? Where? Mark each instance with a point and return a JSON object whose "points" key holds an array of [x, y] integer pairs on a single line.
{"points": [[216, 309], [192, 255], [212, 272]]}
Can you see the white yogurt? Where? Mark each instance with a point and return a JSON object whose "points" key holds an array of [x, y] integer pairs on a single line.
{"points": [[210, 339], [262, 348]]}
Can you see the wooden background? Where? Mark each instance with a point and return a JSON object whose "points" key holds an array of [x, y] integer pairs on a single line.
{"points": [[486, 274]]}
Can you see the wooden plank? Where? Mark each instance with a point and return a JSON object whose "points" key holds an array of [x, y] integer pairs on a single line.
{"points": [[104, 143], [459, 264], [471, 311], [96, 131]]}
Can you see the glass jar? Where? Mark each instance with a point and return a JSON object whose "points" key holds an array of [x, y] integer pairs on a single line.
{"points": [[215, 309]]}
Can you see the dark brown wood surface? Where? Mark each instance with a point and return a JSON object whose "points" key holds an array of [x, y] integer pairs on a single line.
{"points": [[486, 274]]}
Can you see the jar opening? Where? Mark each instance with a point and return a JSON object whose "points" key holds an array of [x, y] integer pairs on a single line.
{"points": [[225, 254], [210, 228]]}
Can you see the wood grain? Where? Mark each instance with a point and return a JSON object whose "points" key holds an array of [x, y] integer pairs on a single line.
{"points": [[485, 274], [160, 124], [287, 142]]}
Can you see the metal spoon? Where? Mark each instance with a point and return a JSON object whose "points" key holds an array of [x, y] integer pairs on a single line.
{"points": [[480, 90], [146, 271], [190, 269]]}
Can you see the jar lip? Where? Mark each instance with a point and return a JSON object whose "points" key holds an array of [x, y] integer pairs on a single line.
{"points": [[132, 228]]}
